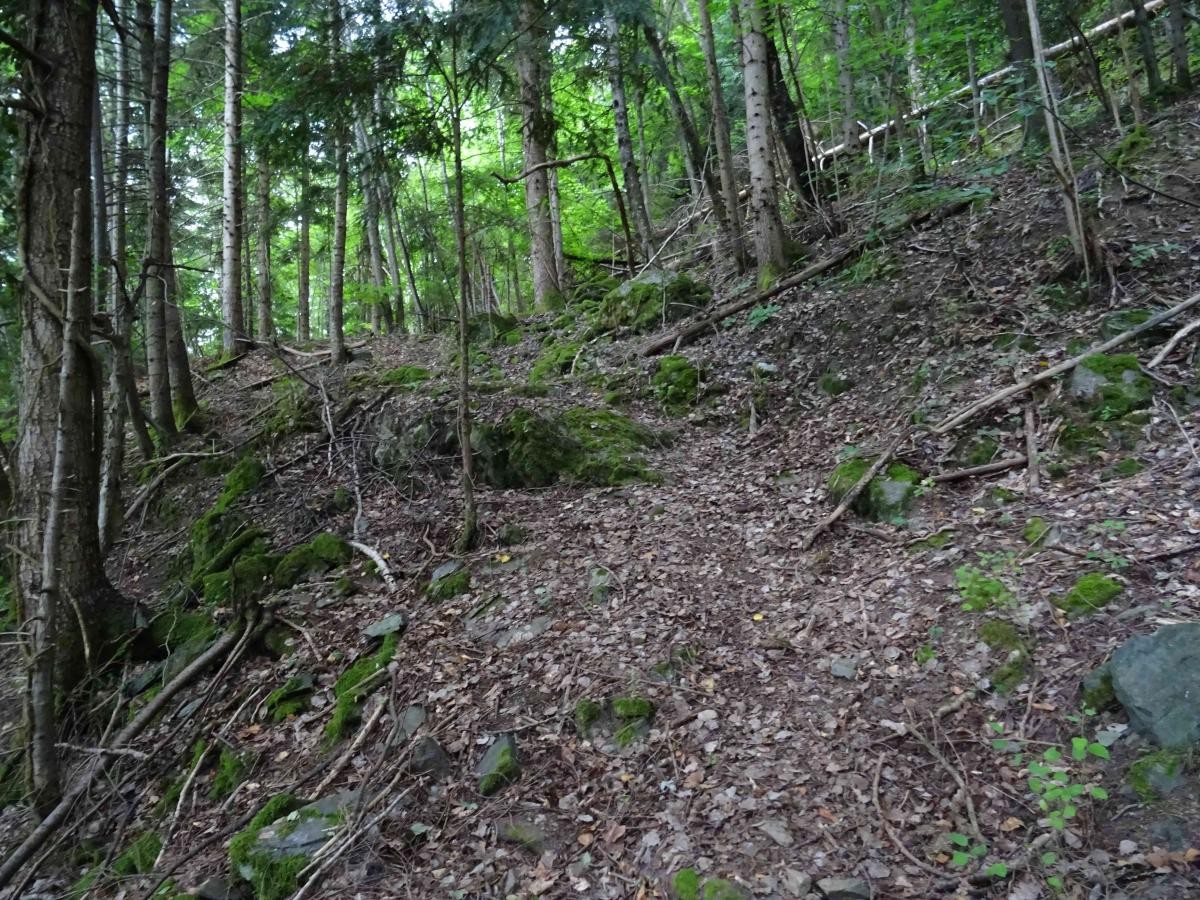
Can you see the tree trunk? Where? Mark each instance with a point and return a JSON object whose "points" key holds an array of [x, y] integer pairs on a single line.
{"points": [[183, 394], [155, 267], [787, 121], [58, 411], [916, 87], [845, 75], [716, 96], [266, 319], [764, 199], [337, 260], [537, 134], [100, 246], [629, 167], [467, 537], [380, 315], [303, 331], [232, 331], [1145, 35], [1020, 54], [1177, 24]]}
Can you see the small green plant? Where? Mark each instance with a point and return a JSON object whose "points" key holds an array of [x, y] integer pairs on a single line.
{"points": [[924, 654], [761, 315], [965, 850], [1141, 253], [981, 590]]}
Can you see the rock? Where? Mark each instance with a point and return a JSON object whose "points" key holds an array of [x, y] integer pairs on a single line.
{"points": [[1157, 680], [647, 301], [428, 758], [763, 369], [887, 498], [1096, 691], [1111, 386], [449, 580], [499, 766], [219, 889], [271, 855], [1157, 775], [843, 667], [614, 724], [520, 634], [396, 623], [411, 719], [777, 831], [844, 889], [676, 384], [795, 882]]}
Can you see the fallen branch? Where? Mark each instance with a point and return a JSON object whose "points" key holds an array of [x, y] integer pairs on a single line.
{"points": [[375, 557], [971, 410], [313, 354], [226, 363], [263, 382], [1173, 343], [1000, 465], [683, 335], [852, 494]]}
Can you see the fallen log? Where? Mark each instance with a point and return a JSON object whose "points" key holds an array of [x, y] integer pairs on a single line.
{"points": [[829, 263], [972, 409], [1000, 465]]}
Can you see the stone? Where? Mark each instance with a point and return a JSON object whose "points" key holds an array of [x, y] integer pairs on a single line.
{"points": [[844, 889], [795, 882], [288, 843], [396, 623], [428, 758], [1111, 386], [1156, 678], [843, 667], [524, 832], [219, 889], [411, 719], [499, 766], [520, 634], [887, 498], [653, 298]]}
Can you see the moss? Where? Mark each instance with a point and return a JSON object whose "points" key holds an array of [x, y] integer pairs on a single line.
{"points": [[1000, 635], [405, 376], [1126, 468], [587, 712], [277, 641], [887, 498], [173, 628], [651, 299], [1097, 691], [294, 409], [687, 884], [138, 858], [218, 588], [980, 450], [449, 586], [504, 772], [231, 771], [324, 552], [271, 877], [512, 534], [609, 443], [1009, 676], [632, 708], [720, 889], [556, 359], [244, 477], [289, 699], [1122, 321], [935, 541], [356, 683], [833, 385], [341, 501], [1035, 530], [1091, 592], [1126, 388], [250, 577], [676, 383], [1156, 774], [1130, 146]]}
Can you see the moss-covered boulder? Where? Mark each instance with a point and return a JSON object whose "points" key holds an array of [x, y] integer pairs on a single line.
{"points": [[449, 580], [654, 298], [676, 383], [355, 684], [1125, 319], [500, 765], [290, 698], [614, 723], [556, 359], [494, 328], [404, 440], [1110, 387], [1091, 593], [831, 384], [405, 376], [324, 552], [889, 496]]}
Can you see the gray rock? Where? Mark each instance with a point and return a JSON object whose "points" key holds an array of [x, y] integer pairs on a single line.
{"points": [[844, 889], [396, 623], [411, 719], [524, 832], [598, 585], [1157, 680], [302, 833], [520, 634], [447, 568], [843, 667], [220, 889], [428, 758], [795, 882], [499, 766]]}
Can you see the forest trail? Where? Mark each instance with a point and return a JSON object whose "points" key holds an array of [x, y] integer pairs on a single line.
{"points": [[785, 721]]}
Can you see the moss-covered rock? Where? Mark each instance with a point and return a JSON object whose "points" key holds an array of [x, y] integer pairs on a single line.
{"points": [[616, 722], [449, 580], [230, 772], [262, 853], [676, 383], [555, 360], [654, 298], [1111, 386], [1097, 690], [290, 698], [831, 384], [405, 376], [888, 497], [324, 552], [1157, 774], [355, 684], [1125, 468], [1092, 592], [1035, 531], [295, 408], [494, 328], [500, 765]]}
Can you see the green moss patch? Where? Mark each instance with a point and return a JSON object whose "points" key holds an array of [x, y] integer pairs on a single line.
{"points": [[654, 298], [324, 552], [888, 497], [231, 771], [358, 681], [271, 877], [1092, 592], [1157, 774], [1035, 531], [1126, 468], [555, 360], [294, 409], [405, 376], [622, 720], [1111, 386], [450, 585], [290, 698], [676, 384], [832, 384]]}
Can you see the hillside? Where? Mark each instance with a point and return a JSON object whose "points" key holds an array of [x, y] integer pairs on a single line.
{"points": [[644, 680]]}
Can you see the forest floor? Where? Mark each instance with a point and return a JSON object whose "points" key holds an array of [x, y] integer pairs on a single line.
{"points": [[819, 714]]}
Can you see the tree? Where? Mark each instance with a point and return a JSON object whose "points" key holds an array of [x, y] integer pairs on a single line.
{"points": [[764, 195], [266, 322], [629, 167], [845, 75], [341, 198], [232, 330], [1182, 73]]}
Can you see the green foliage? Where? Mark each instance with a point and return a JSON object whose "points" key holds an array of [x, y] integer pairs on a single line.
{"points": [[231, 771], [294, 409], [676, 383], [888, 496], [405, 376], [555, 360], [1127, 389], [324, 552], [981, 591], [833, 385], [244, 477], [290, 698], [1155, 774], [761, 315], [1035, 531], [271, 877]]}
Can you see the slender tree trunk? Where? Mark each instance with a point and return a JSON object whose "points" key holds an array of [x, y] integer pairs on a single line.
{"points": [[787, 124], [764, 199], [304, 263], [845, 75], [1177, 23], [183, 394], [916, 87], [266, 318], [337, 261], [467, 537], [100, 247], [643, 153], [537, 131], [232, 333], [380, 315], [629, 167], [1145, 35], [249, 309], [59, 391], [720, 118], [1020, 54], [158, 373]]}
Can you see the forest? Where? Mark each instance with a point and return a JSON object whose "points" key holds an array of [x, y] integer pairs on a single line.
{"points": [[695, 449]]}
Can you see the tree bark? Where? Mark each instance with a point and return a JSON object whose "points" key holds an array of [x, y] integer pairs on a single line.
{"points": [[100, 245], [183, 394], [629, 167], [58, 411], [764, 198], [1145, 35], [304, 263], [266, 318], [337, 261], [381, 318], [155, 267], [845, 75], [1177, 23], [537, 131], [232, 331], [787, 122], [720, 119], [1020, 54]]}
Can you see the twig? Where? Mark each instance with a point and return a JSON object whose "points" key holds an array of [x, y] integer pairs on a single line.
{"points": [[1167, 554], [106, 751], [971, 410], [852, 494], [1000, 465], [1031, 451], [891, 832], [380, 564], [359, 738], [953, 773], [1173, 343]]}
